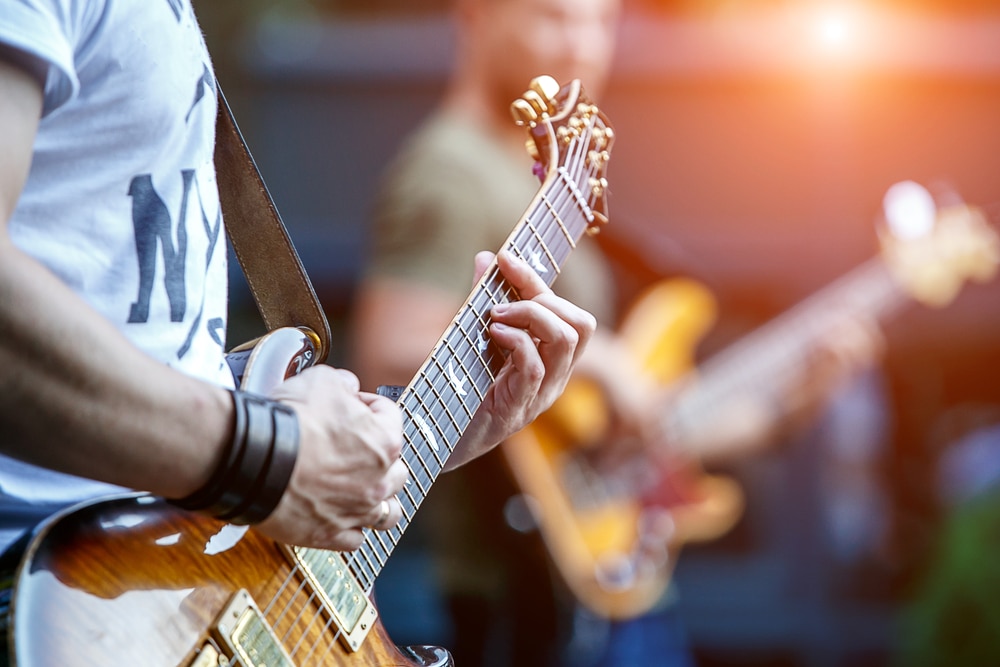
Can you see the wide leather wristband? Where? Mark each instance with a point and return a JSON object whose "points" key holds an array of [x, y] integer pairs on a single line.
{"points": [[255, 470]]}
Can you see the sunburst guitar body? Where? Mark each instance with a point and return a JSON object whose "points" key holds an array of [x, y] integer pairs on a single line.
{"points": [[135, 581]]}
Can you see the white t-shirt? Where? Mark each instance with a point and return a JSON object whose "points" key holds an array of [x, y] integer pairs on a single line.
{"points": [[121, 202]]}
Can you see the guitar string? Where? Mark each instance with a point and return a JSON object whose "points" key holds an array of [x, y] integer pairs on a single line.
{"points": [[319, 639], [267, 610], [311, 597], [556, 213], [467, 350], [581, 476], [554, 208], [369, 567], [436, 419]]}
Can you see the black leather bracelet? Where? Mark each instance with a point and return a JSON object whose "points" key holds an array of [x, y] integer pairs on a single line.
{"points": [[272, 439], [277, 472], [255, 471]]}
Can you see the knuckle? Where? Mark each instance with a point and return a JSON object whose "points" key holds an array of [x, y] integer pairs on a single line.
{"points": [[382, 490], [572, 338], [374, 494], [349, 541], [395, 445], [535, 372]]}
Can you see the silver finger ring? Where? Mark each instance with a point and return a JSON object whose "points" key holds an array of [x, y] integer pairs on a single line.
{"points": [[383, 514]]}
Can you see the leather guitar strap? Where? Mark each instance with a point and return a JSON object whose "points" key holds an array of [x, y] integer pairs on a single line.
{"points": [[278, 281]]}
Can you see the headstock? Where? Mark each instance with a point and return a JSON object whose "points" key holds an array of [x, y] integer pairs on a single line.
{"points": [[568, 136], [932, 250]]}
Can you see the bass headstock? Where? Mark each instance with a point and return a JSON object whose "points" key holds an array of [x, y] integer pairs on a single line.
{"points": [[933, 248], [568, 136]]}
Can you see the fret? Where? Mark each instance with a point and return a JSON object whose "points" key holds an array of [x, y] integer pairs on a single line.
{"points": [[420, 471], [535, 259], [453, 385], [408, 505], [578, 197], [497, 292], [432, 423], [561, 207], [421, 474], [484, 353], [450, 414], [370, 552], [554, 236], [419, 413], [376, 550], [364, 556], [395, 534], [566, 226], [459, 379], [379, 540]]}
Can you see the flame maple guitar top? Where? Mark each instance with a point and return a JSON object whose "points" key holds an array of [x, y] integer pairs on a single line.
{"points": [[132, 581]]}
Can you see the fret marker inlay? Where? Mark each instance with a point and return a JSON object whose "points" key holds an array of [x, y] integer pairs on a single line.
{"points": [[425, 428], [536, 262], [457, 382]]}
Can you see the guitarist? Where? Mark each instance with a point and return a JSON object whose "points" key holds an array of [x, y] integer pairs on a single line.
{"points": [[459, 183], [113, 302]]}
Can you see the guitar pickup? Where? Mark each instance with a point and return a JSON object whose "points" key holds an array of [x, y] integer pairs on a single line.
{"points": [[241, 636], [341, 595]]}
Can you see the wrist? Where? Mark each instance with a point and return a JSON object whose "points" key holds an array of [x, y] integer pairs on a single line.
{"points": [[256, 464]]}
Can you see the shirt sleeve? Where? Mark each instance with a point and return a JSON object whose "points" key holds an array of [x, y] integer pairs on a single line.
{"points": [[34, 34]]}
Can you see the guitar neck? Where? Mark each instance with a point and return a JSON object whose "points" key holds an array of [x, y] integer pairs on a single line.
{"points": [[767, 360], [444, 395]]}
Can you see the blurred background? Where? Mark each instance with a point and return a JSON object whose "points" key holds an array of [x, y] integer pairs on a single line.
{"points": [[756, 139]]}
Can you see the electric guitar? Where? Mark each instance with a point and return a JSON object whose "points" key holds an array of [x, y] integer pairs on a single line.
{"points": [[614, 536], [132, 580]]}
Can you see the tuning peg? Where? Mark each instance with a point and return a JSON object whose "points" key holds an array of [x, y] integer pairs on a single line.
{"points": [[524, 113], [536, 102], [597, 224], [546, 87]]}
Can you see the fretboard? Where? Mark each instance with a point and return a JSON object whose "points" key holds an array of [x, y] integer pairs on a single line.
{"points": [[443, 397]]}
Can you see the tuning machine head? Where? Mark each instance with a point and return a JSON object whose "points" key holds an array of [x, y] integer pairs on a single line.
{"points": [[538, 102]]}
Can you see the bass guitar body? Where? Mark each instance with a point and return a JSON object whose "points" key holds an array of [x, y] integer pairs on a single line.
{"points": [[613, 537], [131, 580]]}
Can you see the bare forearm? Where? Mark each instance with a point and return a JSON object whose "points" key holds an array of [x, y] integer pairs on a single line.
{"points": [[77, 397]]}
